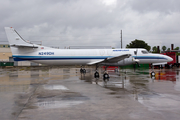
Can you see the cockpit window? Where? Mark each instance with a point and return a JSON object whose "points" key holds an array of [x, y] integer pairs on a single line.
{"points": [[144, 52]]}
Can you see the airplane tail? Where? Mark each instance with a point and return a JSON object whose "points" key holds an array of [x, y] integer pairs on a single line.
{"points": [[16, 40], [21, 47]]}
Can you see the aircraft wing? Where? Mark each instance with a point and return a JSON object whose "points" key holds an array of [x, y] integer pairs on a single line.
{"points": [[95, 62], [111, 59], [116, 59]]}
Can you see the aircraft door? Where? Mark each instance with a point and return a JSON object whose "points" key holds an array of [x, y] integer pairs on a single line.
{"points": [[109, 52], [102, 52]]}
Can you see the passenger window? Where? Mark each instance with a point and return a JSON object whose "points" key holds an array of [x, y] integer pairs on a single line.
{"points": [[144, 52]]}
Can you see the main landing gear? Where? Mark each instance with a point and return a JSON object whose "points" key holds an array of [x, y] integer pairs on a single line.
{"points": [[105, 75], [96, 74]]}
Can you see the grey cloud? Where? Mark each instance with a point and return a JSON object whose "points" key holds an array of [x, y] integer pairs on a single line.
{"points": [[163, 6], [80, 22]]}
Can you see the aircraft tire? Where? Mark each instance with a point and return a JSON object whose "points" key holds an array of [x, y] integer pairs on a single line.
{"points": [[152, 73], [81, 70], [106, 76], [96, 75]]}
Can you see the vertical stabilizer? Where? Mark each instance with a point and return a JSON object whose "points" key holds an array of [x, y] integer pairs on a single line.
{"points": [[16, 40]]}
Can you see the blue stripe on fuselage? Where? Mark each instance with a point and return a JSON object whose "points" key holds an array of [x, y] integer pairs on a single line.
{"points": [[23, 58], [148, 57]]}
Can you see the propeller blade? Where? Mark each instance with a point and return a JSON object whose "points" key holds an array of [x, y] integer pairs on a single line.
{"points": [[135, 60]]}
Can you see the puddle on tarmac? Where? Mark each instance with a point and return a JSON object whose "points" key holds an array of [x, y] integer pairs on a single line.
{"points": [[160, 102], [55, 87], [138, 78], [18, 87], [57, 104], [158, 93], [59, 100]]}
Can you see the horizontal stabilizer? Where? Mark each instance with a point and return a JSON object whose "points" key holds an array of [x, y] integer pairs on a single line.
{"points": [[25, 45]]}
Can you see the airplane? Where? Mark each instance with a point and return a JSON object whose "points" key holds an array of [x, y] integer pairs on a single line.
{"points": [[24, 50]]}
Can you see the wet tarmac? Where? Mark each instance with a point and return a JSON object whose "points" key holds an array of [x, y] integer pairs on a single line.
{"points": [[56, 93]]}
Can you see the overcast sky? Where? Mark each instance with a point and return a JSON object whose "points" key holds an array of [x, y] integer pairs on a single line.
{"points": [[63, 23]]}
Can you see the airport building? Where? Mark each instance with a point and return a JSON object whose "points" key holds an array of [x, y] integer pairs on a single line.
{"points": [[5, 52]]}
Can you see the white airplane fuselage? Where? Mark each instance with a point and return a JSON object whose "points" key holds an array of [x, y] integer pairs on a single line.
{"points": [[50, 56], [23, 50]]}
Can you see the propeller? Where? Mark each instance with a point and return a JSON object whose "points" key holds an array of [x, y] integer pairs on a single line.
{"points": [[134, 58], [136, 61]]}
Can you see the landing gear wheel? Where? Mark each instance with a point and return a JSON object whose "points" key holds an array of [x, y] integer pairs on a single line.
{"points": [[106, 76], [96, 75], [152, 74], [81, 70]]}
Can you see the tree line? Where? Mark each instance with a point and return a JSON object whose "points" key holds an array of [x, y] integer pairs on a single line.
{"points": [[141, 44]]}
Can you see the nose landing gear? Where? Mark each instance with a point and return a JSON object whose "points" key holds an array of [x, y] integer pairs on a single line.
{"points": [[152, 72]]}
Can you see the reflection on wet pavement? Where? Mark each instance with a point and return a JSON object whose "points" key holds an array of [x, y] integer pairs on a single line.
{"points": [[18, 86], [169, 75], [55, 87], [161, 101], [140, 86], [57, 104], [26, 89]]}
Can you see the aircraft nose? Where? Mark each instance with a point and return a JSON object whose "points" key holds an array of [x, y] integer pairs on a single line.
{"points": [[169, 59]]}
